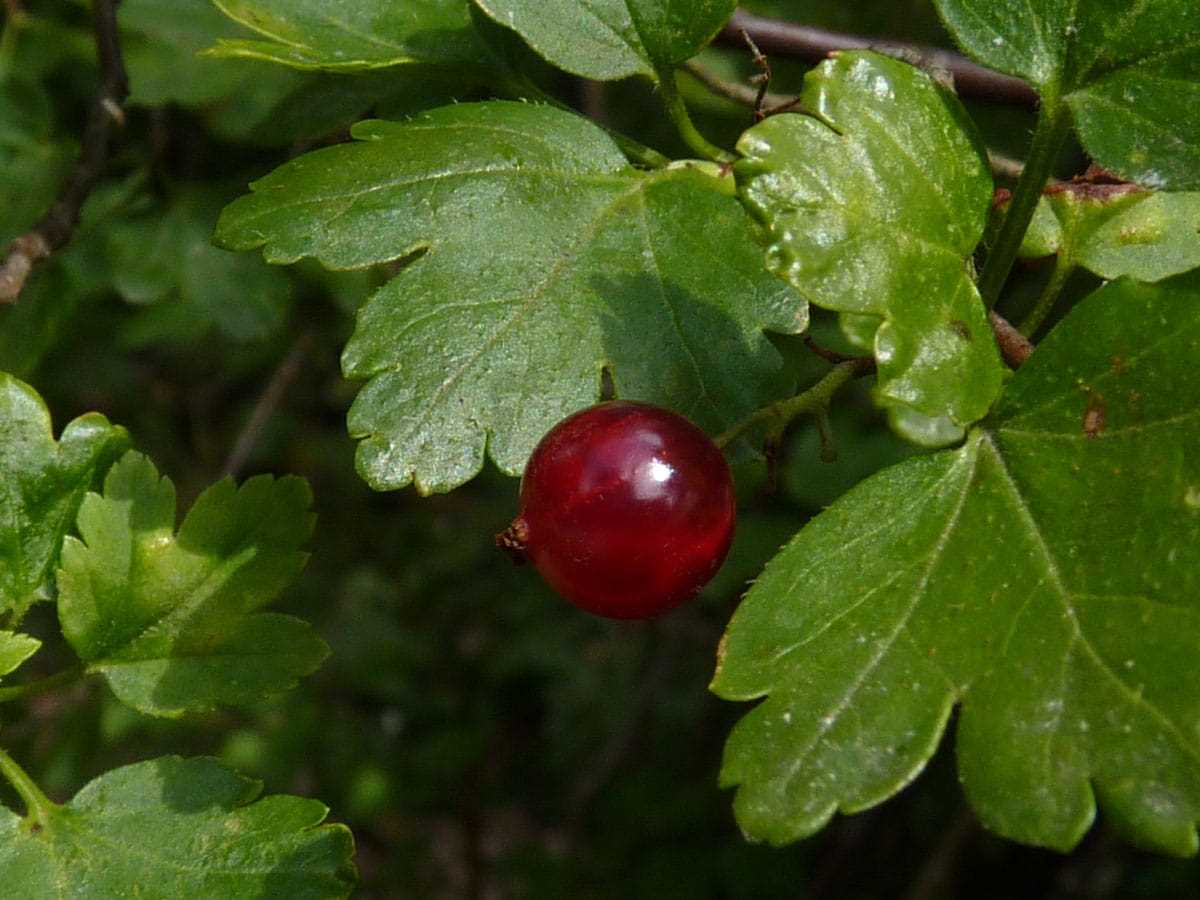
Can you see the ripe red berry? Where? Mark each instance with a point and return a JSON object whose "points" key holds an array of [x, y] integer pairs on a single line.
{"points": [[626, 509]]}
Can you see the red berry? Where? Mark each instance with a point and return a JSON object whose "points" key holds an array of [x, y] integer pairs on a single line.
{"points": [[627, 510]]}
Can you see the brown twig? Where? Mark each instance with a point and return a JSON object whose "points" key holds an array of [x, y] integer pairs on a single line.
{"points": [[1014, 346], [56, 227], [733, 90], [283, 378], [970, 80]]}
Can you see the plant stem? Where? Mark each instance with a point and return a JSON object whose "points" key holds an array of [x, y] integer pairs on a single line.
{"points": [[816, 398], [1063, 266], [1052, 126], [42, 685], [38, 806], [677, 110], [791, 39]]}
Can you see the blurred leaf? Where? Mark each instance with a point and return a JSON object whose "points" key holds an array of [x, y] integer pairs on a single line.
{"points": [[545, 258], [15, 649], [161, 41], [166, 256], [610, 39], [169, 619], [1114, 231], [1046, 576], [353, 34], [874, 208], [41, 485], [1129, 71], [32, 163], [173, 827]]}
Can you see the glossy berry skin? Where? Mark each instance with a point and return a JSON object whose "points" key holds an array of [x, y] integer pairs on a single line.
{"points": [[627, 509]]}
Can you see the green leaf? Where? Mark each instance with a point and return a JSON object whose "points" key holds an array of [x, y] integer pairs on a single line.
{"points": [[354, 34], [1129, 72], [41, 485], [874, 209], [609, 39], [15, 649], [1045, 576], [172, 827], [32, 163], [1115, 231], [167, 256], [161, 40], [169, 619], [546, 258]]}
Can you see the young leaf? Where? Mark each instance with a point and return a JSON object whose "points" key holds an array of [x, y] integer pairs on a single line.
{"points": [[1129, 72], [546, 258], [1046, 576], [1116, 232], [170, 619], [610, 39], [41, 485], [353, 34], [15, 649], [173, 827], [874, 208]]}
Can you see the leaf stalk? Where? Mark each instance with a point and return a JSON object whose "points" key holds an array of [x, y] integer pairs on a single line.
{"points": [[1064, 265], [1052, 126], [815, 400], [38, 806], [669, 86]]}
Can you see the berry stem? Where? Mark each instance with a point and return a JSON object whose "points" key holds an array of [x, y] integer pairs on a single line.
{"points": [[815, 400]]}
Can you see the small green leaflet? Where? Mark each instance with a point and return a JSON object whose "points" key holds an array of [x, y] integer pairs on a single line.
{"points": [[169, 619], [41, 485], [171, 828], [1115, 231], [610, 39], [353, 35], [15, 649], [1130, 73], [875, 204], [546, 258], [1045, 576]]}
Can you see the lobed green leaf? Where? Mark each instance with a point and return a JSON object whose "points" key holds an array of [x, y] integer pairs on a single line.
{"points": [[42, 482], [1045, 576], [353, 35], [874, 205], [1129, 71], [1117, 232], [610, 39], [544, 258], [170, 619], [173, 827]]}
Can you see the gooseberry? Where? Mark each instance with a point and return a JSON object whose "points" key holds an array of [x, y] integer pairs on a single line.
{"points": [[626, 510]]}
